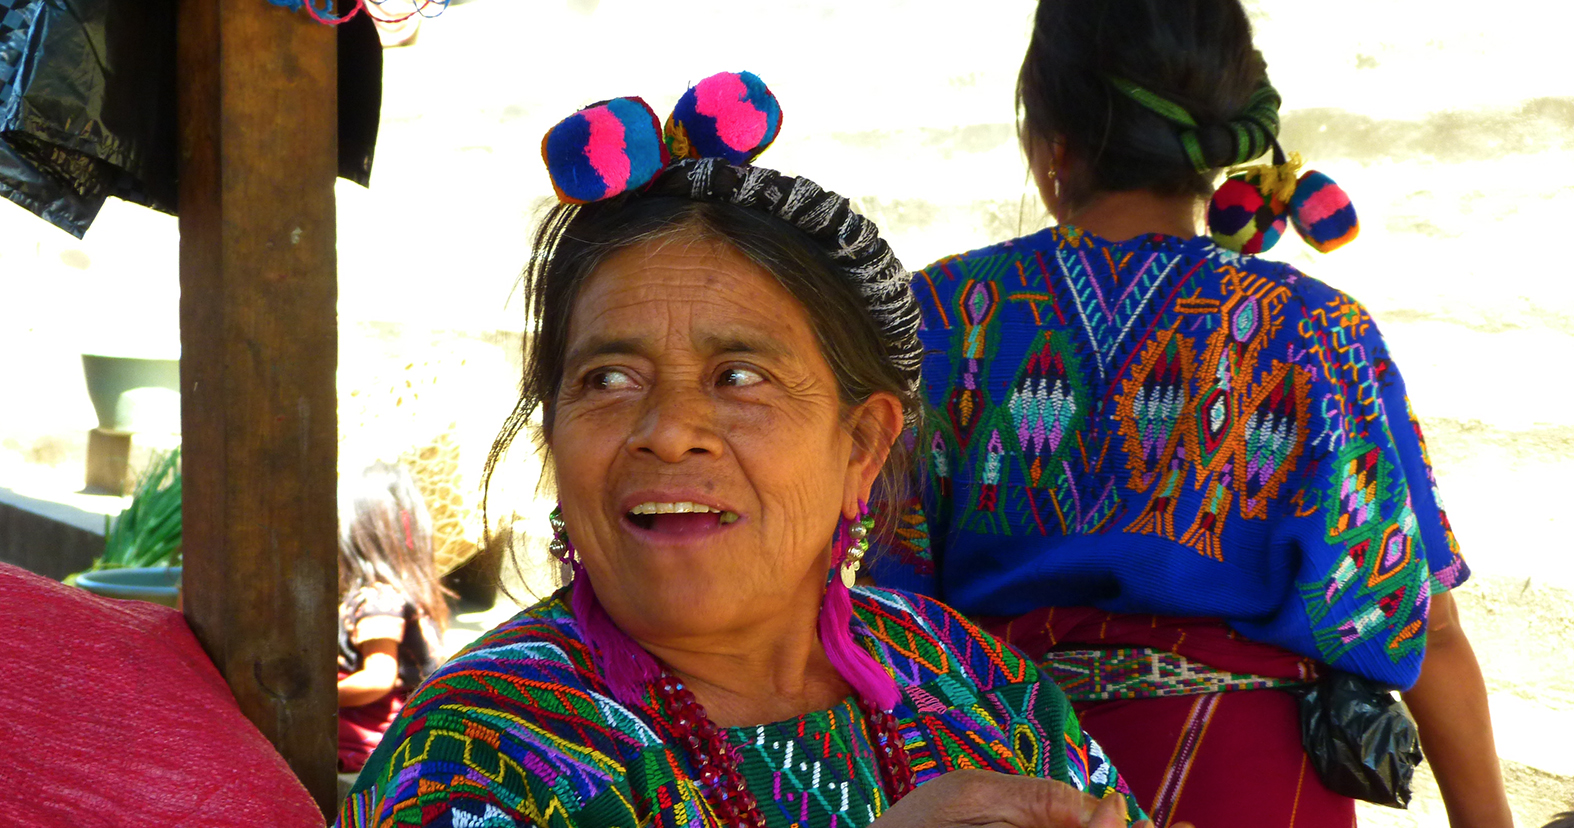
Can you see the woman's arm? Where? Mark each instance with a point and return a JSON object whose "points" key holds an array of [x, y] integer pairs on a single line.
{"points": [[1449, 703], [377, 639]]}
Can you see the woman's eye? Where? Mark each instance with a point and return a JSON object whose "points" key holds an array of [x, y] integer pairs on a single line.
{"points": [[739, 377], [608, 379]]}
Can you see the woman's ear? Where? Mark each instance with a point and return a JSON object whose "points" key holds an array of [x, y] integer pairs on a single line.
{"points": [[875, 425], [1046, 158]]}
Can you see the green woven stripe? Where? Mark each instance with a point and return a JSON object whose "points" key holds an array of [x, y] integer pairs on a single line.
{"points": [[1172, 112], [1164, 108], [1258, 125], [1193, 147]]}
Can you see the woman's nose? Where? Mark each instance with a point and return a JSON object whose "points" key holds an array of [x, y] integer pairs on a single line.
{"points": [[677, 422]]}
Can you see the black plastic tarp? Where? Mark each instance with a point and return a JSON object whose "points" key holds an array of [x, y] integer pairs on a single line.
{"points": [[87, 105]]}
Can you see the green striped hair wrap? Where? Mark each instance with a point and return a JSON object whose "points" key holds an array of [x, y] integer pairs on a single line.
{"points": [[1254, 130]]}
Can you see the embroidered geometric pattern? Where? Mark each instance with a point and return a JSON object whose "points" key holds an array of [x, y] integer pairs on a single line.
{"points": [[1143, 672], [519, 729], [1159, 425]]}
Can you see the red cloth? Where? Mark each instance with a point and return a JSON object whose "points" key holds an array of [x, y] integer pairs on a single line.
{"points": [[111, 715], [1208, 640], [361, 728], [1218, 760]]}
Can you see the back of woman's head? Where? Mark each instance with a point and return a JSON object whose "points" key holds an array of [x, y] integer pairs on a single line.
{"points": [[385, 537], [1196, 54]]}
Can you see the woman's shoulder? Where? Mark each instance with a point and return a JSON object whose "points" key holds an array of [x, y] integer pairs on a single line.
{"points": [[1073, 240], [540, 645], [1046, 239], [523, 696], [923, 640], [534, 668], [1323, 319]]}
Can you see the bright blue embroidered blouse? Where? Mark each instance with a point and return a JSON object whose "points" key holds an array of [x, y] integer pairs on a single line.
{"points": [[1162, 426]]}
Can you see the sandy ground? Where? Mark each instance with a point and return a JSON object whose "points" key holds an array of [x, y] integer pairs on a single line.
{"points": [[1452, 130]]}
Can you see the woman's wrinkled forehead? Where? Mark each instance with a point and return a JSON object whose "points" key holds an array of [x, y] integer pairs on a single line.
{"points": [[688, 290]]}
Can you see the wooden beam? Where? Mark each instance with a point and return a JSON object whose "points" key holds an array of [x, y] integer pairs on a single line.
{"points": [[257, 108]]}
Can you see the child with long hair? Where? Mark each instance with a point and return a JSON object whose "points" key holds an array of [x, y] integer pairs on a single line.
{"points": [[391, 609]]}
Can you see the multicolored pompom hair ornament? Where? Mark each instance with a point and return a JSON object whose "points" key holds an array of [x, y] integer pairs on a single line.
{"points": [[1249, 210], [1322, 213], [618, 146], [732, 116], [604, 149]]}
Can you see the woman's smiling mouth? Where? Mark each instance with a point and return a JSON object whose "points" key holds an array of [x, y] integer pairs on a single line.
{"points": [[679, 517]]}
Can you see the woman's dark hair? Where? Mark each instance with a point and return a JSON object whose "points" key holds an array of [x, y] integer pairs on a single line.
{"points": [[574, 240], [385, 537], [1195, 53]]}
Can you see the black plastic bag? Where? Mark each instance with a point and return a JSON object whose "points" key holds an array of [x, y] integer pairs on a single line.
{"points": [[1360, 739], [87, 105], [21, 180]]}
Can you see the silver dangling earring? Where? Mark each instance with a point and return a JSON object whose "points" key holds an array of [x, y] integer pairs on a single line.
{"points": [[560, 547], [855, 554]]}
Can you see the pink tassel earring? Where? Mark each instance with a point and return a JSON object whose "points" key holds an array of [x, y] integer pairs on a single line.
{"points": [[624, 664], [854, 663]]}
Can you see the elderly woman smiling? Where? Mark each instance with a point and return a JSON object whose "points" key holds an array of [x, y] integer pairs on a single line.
{"points": [[725, 358]]}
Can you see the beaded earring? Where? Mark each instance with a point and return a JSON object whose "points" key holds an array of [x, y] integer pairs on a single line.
{"points": [[560, 547], [853, 662], [859, 533]]}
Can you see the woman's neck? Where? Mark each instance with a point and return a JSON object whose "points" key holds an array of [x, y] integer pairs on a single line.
{"points": [[775, 671], [1119, 216]]}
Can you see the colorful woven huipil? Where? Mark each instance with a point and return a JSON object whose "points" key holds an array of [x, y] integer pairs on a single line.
{"points": [[1163, 426], [519, 729]]}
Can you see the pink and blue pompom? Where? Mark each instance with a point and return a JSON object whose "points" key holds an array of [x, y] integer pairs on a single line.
{"points": [[1242, 219], [604, 150], [732, 116], [1322, 212]]}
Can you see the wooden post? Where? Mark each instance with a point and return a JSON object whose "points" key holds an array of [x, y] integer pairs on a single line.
{"points": [[258, 150]]}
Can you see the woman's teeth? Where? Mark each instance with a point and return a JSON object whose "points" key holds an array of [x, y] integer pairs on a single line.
{"points": [[680, 507], [683, 507]]}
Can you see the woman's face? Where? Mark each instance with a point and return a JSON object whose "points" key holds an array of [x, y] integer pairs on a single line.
{"points": [[701, 452]]}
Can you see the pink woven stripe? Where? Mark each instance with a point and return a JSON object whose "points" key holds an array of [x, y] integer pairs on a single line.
{"points": [[1174, 781], [606, 149], [1322, 204]]}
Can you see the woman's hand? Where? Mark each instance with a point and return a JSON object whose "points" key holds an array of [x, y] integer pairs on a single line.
{"points": [[997, 800]]}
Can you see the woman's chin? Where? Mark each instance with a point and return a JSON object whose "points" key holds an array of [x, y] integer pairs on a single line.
{"points": [[683, 609]]}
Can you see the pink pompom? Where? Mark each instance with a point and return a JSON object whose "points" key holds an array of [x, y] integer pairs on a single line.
{"points": [[731, 115], [1242, 219], [1322, 213]]}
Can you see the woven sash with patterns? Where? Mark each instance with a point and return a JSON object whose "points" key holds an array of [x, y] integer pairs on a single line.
{"points": [[1143, 672]]}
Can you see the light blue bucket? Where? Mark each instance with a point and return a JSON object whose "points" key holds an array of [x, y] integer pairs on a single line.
{"points": [[158, 584]]}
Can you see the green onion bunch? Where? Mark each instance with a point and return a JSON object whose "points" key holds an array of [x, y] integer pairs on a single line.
{"points": [[147, 533]]}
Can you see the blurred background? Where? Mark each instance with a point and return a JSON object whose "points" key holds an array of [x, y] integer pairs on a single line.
{"points": [[1452, 130]]}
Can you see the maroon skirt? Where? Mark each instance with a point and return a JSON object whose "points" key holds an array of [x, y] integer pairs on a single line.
{"points": [[361, 728], [1227, 759]]}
